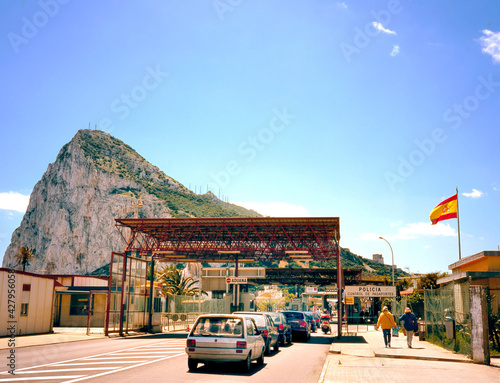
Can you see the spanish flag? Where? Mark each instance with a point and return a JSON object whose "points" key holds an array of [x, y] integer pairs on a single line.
{"points": [[445, 210]]}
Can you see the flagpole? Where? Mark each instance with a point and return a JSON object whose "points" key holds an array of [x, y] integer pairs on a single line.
{"points": [[458, 223]]}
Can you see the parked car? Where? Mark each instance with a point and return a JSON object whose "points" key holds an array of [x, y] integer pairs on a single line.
{"points": [[224, 338], [267, 328], [300, 326], [284, 328], [311, 320]]}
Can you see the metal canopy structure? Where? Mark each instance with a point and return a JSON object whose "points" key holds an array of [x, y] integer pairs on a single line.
{"points": [[306, 276], [218, 240], [226, 239]]}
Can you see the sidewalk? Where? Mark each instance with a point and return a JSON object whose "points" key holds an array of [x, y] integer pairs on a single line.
{"points": [[60, 335], [367, 350]]}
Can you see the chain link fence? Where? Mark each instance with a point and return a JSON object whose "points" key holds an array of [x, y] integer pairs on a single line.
{"points": [[447, 317], [399, 308]]}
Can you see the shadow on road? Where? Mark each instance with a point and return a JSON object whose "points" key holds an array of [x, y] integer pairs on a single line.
{"points": [[226, 369], [165, 335], [349, 339]]}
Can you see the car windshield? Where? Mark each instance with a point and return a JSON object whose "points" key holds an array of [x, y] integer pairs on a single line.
{"points": [[221, 327]]}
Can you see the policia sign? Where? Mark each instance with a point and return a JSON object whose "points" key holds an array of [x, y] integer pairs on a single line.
{"points": [[370, 291]]}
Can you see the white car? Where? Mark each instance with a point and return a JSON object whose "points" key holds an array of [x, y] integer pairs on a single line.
{"points": [[224, 338]]}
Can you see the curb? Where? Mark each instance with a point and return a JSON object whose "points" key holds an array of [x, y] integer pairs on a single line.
{"points": [[416, 357], [323, 371], [334, 351]]}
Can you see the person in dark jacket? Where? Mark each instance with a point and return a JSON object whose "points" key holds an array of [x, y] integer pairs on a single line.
{"points": [[410, 322]]}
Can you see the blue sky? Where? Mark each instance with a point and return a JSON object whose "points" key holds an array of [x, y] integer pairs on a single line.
{"points": [[371, 111]]}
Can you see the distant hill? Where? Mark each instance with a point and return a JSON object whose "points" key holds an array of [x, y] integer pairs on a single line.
{"points": [[371, 270]]}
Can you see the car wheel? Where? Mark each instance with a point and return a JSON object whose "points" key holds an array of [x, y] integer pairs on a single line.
{"points": [[277, 346], [268, 348], [192, 364], [247, 363], [260, 361]]}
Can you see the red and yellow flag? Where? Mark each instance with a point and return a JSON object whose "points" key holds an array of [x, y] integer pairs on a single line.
{"points": [[445, 210]]}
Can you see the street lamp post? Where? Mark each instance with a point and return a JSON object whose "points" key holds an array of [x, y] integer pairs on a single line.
{"points": [[392, 253]]}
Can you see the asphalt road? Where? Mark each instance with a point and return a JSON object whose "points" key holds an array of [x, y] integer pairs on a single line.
{"points": [[157, 358]]}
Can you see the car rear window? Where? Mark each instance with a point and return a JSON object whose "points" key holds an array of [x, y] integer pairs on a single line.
{"points": [[276, 318], [291, 315], [259, 319], [222, 327]]}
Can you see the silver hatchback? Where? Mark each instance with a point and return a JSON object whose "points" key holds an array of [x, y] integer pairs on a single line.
{"points": [[224, 338]]}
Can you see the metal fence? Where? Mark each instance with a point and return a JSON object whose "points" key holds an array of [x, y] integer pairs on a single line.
{"points": [[182, 311], [399, 308], [447, 317]]}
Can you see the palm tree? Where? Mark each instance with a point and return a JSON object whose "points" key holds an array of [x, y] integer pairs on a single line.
{"points": [[24, 255], [174, 283]]}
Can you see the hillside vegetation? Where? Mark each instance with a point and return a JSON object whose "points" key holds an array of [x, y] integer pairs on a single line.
{"points": [[112, 155]]}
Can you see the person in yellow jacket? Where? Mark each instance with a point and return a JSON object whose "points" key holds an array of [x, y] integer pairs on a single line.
{"points": [[386, 322]]}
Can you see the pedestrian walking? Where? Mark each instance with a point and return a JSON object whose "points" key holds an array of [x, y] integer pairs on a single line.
{"points": [[410, 323], [386, 322]]}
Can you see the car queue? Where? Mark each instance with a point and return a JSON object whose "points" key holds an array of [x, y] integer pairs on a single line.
{"points": [[244, 337]]}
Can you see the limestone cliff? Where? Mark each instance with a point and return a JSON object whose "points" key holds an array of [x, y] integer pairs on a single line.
{"points": [[95, 179]]}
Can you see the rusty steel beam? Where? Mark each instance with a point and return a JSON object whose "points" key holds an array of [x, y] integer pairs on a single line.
{"points": [[216, 239]]}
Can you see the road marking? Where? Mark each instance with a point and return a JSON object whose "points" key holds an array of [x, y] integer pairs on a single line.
{"points": [[121, 369], [64, 370], [137, 356], [23, 379], [91, 362]]}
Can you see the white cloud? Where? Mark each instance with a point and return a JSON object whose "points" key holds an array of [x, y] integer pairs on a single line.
{"points": [[395, 50], [381, 28], [342, 5], [490, 43], [276, 209], [474, 194], [415, 230], [14, 201]]}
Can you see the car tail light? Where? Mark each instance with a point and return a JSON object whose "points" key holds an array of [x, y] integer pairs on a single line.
{"points": [[281, 327], [241, 344], [302, 324], [191, 343]]}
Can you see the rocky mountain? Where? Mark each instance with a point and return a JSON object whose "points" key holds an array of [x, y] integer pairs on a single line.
{"points": [[95, 179]]}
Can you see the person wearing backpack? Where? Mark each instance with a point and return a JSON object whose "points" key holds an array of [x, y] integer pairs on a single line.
{"points": [[410, 323], [386, 321]]}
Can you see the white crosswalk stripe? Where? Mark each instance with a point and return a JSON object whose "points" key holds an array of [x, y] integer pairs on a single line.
{"points": [[76, 370]]}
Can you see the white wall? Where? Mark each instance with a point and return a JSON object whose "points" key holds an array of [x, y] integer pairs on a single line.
{"points": [[40, 299]]}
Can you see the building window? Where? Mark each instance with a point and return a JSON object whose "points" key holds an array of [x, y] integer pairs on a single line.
{"points": [[26, 287], [24, 309], [80, 304]]}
